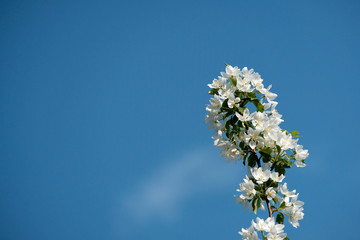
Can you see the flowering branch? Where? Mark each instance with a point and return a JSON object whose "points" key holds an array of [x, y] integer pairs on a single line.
{"points": [[242, 135]]}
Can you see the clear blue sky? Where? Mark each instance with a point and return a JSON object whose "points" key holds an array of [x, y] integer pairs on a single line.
{"points": [[102, 106]]}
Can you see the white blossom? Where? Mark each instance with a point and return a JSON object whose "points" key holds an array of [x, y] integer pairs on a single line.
{"points": [[300, 155], [239, 133], [248, 189], [270, 193], [261, 225], [284, 190], [249, 234], [218, 83], [230, 71], [246, 116], [295, 214], [275, 176], [260, 175]]}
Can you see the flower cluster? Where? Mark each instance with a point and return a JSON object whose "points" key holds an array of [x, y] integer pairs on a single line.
{"points": [[243, 113], [274, 231]]}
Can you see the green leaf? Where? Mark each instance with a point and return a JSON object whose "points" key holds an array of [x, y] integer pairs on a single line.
{"points": [[238, 94], [251, 160], [231, 134], [258, 188], [256, 204], [214, 91], [258, 105], [283, 205], [273, 184], [227, 125], [227, 115], [252, 96], [253, 204], [242, 145], [225, 105], [294, 133], [285, 162], [244, 103], [280, 169], [266, 158], [242, 109], [233, 80], [280, 218], [266, 150], [233, 120], [286, 238], [266, 154]]}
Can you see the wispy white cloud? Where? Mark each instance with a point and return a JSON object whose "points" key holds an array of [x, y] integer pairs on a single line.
{"points": [[161, 195]]}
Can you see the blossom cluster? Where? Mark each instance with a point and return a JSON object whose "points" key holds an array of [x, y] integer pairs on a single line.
{"points": [[273, 231], [243, 114]]}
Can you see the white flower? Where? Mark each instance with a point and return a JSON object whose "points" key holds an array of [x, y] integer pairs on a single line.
{"points": [[275, 230], [226, 91], [251, 136], [260, 175], [260, 225], [233, 101], [246, 116], [231, 71], [300, 163], [272, 236], [284, 190], [249, 234], [275, 176], [218, 83], [249, 76], [300, 156], [230, 151], [284, 141], [267, 126], [248, 187], [242, 200], [270, 193], [293, 202], [295, 215], [258, 118], [270, 221], [269, 95], [300, 153], [213, 117], [219, 140]]}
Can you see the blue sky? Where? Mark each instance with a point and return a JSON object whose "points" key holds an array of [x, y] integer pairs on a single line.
{"points": [[102, 107]]}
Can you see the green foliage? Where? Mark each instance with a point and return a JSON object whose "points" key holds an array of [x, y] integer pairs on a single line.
{"points": [[266, 154], [233, 80], [272, 183], [256, 202], [214, 91], [280, 218], [258, 105], [294, 133], [252, 160]]}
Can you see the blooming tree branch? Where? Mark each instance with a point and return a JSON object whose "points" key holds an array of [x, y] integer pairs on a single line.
{"points": [[243, 114]]}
